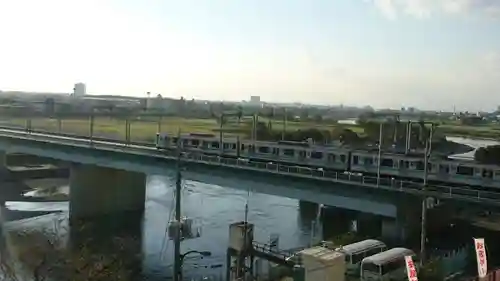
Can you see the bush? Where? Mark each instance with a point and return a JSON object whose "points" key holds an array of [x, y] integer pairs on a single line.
{"points": [[488, 155]]}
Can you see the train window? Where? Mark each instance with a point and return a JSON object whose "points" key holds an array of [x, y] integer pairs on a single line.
{"points": [[226, 145], [289, 152], [276, 151], [263, 149], [444, 168], [185, 142], [355, 160], [342, 158], [368, 160], [387, 162], [331, 157], [215, 144], [174, 140], [420, 165], [233, 146], [316, 155], [195, 142], [464, 170], [487, 173], [302, 154], [242, 147]]}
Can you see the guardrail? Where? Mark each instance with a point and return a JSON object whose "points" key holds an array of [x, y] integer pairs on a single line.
{"points": [[295, 170], [339, 177]]}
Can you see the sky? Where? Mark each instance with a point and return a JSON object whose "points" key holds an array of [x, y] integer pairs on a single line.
{"points": [[431, 54]]}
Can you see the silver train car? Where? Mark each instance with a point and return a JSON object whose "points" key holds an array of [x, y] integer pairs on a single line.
{"points": [[303, 153], [356, 161], [456, 172]]}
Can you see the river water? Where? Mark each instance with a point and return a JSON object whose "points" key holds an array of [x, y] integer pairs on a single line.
{"points": [[212, 208], [475, 143]]}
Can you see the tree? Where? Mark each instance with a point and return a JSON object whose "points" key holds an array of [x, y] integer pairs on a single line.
{"points": [[488, 155], [49, 254]]}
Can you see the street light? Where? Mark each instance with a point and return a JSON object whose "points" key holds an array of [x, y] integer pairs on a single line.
{"points": [[181, 259]]}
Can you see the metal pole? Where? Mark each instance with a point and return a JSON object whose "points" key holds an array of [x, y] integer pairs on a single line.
{"points": [[221, 143], [255, 126], [423, 231], [379, 153], [408, 137], [91, 127], [177, 237], [129, 131], [59, 124], [160, 120], [127, 137], [284, 125]]}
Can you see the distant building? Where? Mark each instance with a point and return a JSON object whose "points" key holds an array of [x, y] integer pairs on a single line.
{"points": [[79, 90], [255, 99]]}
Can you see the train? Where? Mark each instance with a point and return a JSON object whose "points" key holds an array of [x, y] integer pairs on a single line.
{"points": [[338, 158]]}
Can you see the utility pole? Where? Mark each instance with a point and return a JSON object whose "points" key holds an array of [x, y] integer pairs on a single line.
{"points": [[379, 152], [221, 143], [283, 133], [92, 127], [256, 122], [160, 120], [423, 231], [59, 124], [177, 236]]}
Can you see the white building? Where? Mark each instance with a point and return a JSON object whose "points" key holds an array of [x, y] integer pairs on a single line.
{"points": [[79, 90], [255, 99]]}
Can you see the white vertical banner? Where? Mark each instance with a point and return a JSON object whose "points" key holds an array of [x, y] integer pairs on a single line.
{"points": [[482, 263], [410, 269]]}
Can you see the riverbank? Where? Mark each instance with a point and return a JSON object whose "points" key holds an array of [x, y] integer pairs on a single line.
{"points": [[449, 147], [18, 196]]}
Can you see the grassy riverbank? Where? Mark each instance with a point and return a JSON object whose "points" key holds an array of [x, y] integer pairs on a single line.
{"points": [[145, 130]]}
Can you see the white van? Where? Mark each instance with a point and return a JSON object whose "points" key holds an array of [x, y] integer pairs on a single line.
{"points": [[356, 252], [387, 265]]}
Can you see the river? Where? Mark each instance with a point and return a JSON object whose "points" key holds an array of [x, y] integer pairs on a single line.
{"points": [[475, 143], [213, 208]]}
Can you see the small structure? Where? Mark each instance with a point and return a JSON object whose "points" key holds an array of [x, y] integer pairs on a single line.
{"points": [[322, 264], [239, 254], [80, 90]]}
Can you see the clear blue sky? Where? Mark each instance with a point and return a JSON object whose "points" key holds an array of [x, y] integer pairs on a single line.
{"points": [[424, 53]]}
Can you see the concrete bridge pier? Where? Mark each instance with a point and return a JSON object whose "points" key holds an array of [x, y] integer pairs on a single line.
{"points": [[97, 191], [4, 171]]}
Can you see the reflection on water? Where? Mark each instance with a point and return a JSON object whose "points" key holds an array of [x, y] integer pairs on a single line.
{"points": [[37, 206]]}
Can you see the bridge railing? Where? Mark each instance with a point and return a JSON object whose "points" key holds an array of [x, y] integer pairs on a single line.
{"points": [[394, 184], [321, 174]]}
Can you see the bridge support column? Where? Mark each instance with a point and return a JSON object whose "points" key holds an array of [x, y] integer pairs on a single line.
{"points": [[4, 171], [97, 191], [3, 159]]}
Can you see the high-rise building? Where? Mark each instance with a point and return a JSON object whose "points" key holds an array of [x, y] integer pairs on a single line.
{"points": [[79, 90], [255, 99]]}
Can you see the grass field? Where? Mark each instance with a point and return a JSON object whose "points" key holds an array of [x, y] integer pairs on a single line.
{"points": [[145, 130]]}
